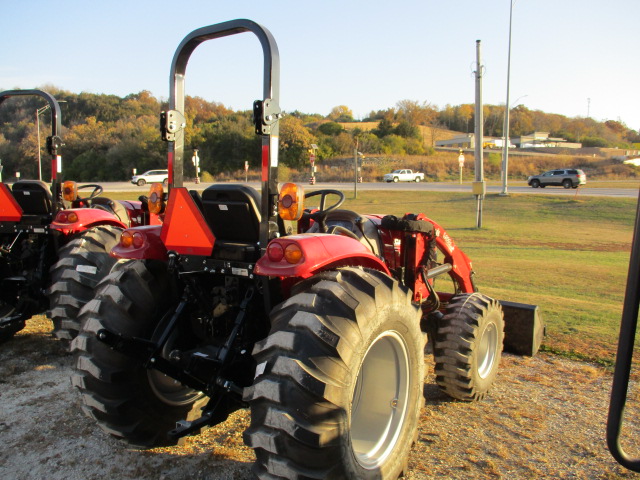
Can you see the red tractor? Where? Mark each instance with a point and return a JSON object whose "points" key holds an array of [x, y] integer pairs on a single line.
{"points": [[314, 318], [54, 243]]}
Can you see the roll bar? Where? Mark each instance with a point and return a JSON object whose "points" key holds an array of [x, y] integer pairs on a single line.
{"points": [[266, 112], [53, 141], [624, 355]]}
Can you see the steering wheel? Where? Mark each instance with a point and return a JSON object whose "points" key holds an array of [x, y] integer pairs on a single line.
{"points": [[323, 209], [97, 190]]}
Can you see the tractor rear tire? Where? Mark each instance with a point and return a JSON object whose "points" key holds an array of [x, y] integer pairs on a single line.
{"points": [[339, 381], [82, 263], [468, 346], [127, 400]]}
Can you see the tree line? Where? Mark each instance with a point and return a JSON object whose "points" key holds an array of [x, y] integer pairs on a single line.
{"points": [[106, 136]]}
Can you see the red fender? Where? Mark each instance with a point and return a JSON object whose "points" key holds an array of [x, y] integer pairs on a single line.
{"points": [[320, 251], [87, 218]]}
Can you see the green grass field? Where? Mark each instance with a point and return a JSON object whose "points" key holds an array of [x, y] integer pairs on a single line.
{"points": [[568, 255]]}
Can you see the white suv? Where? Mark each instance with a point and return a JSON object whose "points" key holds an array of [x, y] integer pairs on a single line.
{"points": [[152, 176]]}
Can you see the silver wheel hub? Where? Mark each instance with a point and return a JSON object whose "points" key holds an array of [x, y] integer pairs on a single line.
{"points": [[380, 400], [487, 350]]}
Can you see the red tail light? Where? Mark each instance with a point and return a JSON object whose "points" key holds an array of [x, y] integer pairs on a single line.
{"points": [[275, 252], [292, 253], [66, 217], [130, 239]]}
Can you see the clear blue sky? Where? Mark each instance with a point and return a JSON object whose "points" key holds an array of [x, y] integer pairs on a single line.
{"points": [[367, 55]]}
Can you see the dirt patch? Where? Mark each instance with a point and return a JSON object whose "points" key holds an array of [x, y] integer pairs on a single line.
{"points": [[545, 418]]}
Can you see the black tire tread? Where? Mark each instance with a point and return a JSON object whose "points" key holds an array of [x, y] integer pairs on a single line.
{"points": [[112, 385], [305, 363], [455, 344], [71, 289]]}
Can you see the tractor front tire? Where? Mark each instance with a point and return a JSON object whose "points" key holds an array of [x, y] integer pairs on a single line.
{"points": [[339, 381], [127, 400], [468, 346], [82, 263]]}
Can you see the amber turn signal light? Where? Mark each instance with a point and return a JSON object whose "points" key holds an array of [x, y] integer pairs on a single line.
{"points": [[291, 201], [292, 253], [70, 191], [156, 198], [126, 239]]}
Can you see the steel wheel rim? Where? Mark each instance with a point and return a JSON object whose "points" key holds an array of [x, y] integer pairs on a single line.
{"points": [[380, 400], [169, 390], [486, 350]]}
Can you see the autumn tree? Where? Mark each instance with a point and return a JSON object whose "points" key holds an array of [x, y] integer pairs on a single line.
{"points": [[295, 142], [341, 113]]}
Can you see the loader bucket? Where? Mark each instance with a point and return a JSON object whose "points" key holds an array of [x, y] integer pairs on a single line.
{"points": [[523, 328]]}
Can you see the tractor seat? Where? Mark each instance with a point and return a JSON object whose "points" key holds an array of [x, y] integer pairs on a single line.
{"points": [[233, 215], [113, 207], [349, 220], [33, 196]]}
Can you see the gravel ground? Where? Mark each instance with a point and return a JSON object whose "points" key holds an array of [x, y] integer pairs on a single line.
{"points": [[545, 418]]}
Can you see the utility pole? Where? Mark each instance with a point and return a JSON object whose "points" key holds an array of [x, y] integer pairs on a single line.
{"points": [[505, 130], [355, 163], [479, 187]]}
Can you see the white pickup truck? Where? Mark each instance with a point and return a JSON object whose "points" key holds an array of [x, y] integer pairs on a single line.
{"points": [[404, 175]]}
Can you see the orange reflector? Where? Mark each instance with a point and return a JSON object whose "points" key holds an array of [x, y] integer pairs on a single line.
{"points": [[291, 201], [72, 217], [156, 199], [70, 191], [184, 228], [10, 210], [292, 253]]}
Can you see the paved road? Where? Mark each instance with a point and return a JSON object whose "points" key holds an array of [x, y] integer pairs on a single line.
{"points": [[422, 187]]}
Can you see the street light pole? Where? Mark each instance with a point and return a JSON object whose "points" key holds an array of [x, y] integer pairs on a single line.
{"points": [[505, 130], [39, 112]]}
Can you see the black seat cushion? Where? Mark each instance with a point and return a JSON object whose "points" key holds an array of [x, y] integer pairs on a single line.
{"points": [[33, 196], [232, 212]]}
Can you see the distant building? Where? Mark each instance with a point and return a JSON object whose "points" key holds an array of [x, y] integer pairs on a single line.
{"points": [[533, 140], [542, 139], [461, 141]]}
